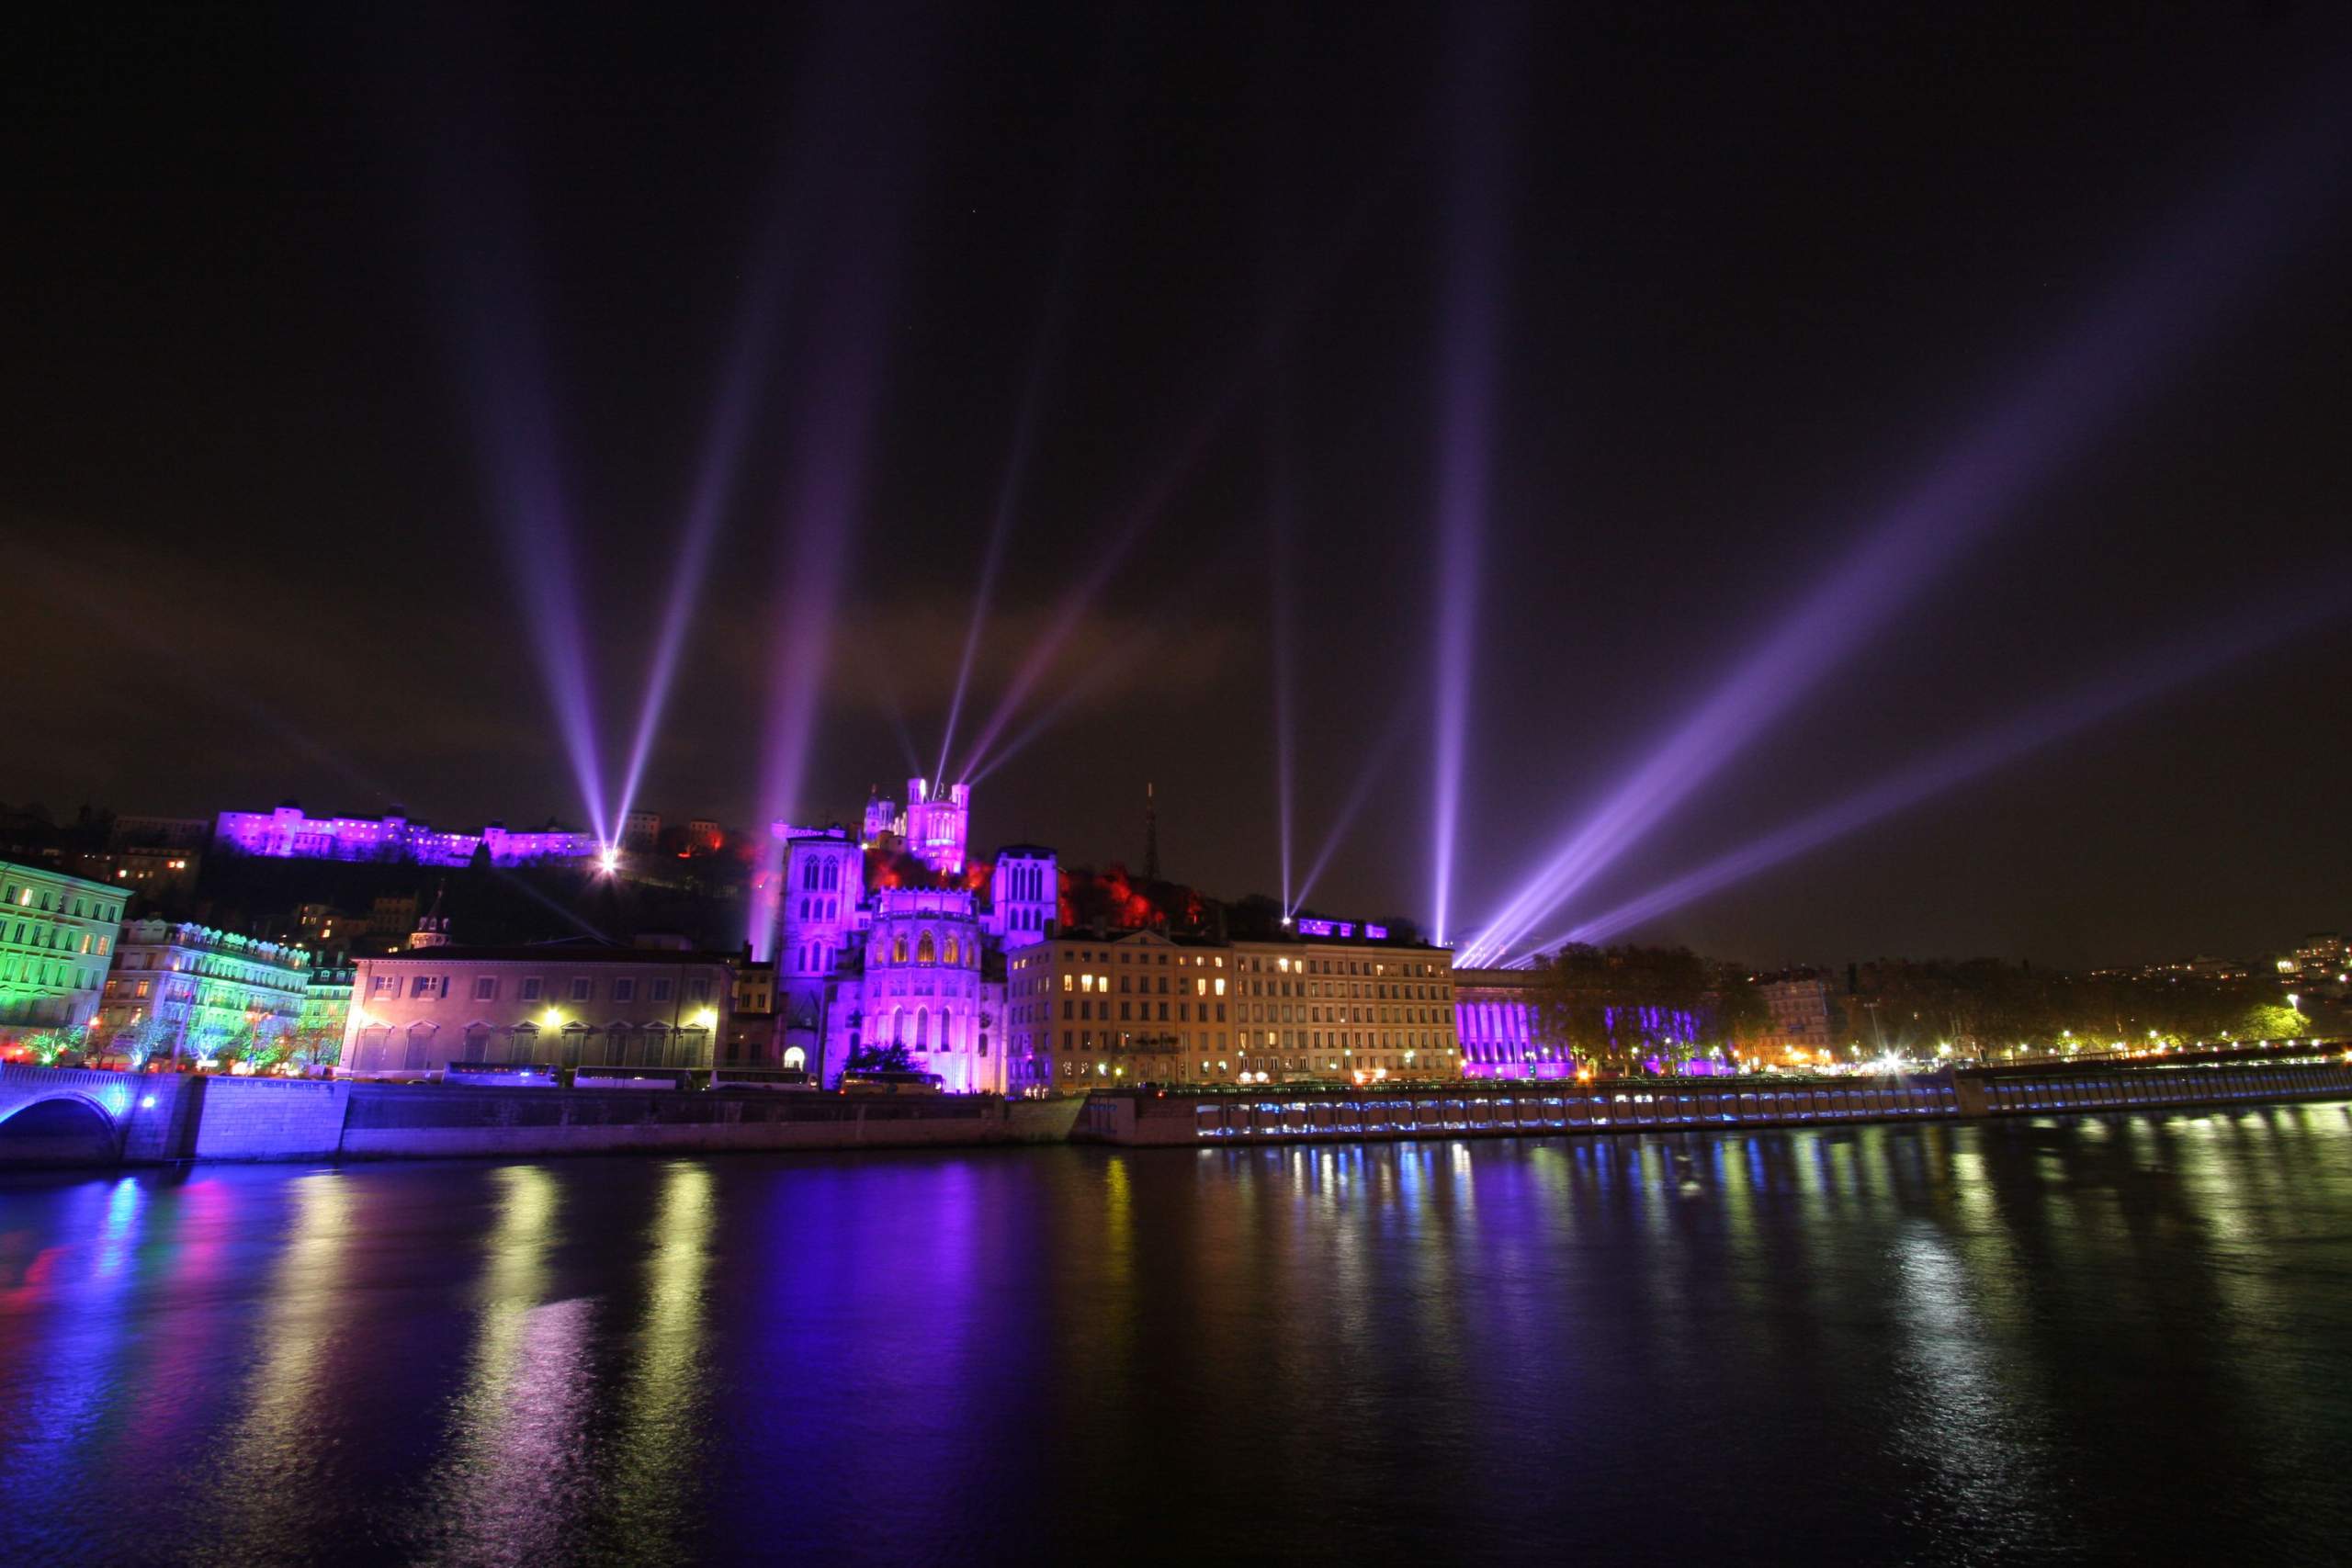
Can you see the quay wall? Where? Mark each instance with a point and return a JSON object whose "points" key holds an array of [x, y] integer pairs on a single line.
{"points": [[79, 1117], [1147, 1118]]}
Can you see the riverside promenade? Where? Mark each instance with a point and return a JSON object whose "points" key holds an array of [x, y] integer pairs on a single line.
{"points": [[81, 1117], [78, 1117], [1171, 1117]]}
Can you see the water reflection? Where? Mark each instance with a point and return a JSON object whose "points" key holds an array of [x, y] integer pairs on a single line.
{"points": [[1898, 1343], [272, 1468], [660, 1440], [517, 1470]]}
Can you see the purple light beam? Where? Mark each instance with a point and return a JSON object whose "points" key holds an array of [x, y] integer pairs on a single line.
{"points": [[2103, 369], [873, 159], [1280, 500], [750, 346], [1469, 324], [2150, 677], [502, 371], [1375, 766]]}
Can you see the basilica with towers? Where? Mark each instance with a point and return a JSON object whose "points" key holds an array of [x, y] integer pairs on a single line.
{"points": [[896, 937]]}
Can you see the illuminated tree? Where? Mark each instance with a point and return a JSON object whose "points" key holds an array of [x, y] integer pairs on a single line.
{"points": [[891, 1057], [2274, 1022]]}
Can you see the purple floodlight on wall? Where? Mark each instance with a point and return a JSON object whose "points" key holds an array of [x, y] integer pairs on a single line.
{"points": [[2099, 372], [2053, 719]]}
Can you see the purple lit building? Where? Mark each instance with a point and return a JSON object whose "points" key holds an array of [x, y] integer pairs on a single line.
{"points": [[872, 951], [286, 834], [1495, 1014]]}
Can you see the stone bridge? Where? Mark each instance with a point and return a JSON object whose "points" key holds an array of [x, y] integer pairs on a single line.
{"points": [[76, 1115]]}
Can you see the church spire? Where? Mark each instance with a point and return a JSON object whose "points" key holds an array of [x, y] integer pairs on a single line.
{"points": [[1151, 836]]}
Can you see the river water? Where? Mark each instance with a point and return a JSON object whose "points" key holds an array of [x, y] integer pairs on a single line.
{"points": [[2068, 1340]]}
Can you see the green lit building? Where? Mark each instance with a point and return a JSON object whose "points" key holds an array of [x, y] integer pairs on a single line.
{"points": [[57, 937]]}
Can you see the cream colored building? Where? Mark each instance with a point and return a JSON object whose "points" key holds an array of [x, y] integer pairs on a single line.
{"points": [[1364, 1011], [1116, 1008], [1134, 1007], [568, 1004]]}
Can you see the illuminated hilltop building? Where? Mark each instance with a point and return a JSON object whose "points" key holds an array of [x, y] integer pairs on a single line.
{"points": [[898, 937], [286, 833]]}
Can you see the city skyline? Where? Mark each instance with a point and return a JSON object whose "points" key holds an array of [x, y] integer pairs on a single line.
{"points": [[1167, 421]]}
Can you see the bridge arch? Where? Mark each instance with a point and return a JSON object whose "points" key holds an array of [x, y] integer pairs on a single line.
{"points": [[59, 1130]]}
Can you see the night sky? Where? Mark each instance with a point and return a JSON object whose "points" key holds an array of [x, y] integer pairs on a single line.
{"points": [[281, 289]]}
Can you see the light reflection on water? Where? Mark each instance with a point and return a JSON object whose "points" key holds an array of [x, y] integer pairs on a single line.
{"points": [[2075, 1341]]}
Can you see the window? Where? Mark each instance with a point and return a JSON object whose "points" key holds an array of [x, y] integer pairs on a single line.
{"points": [[625, 990], [662, 990], [582, 988], [699, 990], [485, 988], [531, 987]]}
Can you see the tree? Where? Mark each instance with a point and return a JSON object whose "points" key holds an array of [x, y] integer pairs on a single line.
{"points": [[887, 1059], [2273, 1021], [1740, 1013], [1620, 1004]]}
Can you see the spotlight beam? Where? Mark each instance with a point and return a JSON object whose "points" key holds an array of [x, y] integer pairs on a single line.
{"points": [[1167, 482], [1467, 368], [1012, 482], [750, 345], [873, 159], [1280, 499], [2148, 678], [502, 369], [1082, 596], [1375, 767], [2100, 371], [1097, 674]]}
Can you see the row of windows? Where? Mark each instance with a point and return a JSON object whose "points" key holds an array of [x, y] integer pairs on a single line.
{"points": [[42, 973], [1246, 1041], [928, 952], [1132, 1012], [42, 899], [537, 988], [59, 939]]}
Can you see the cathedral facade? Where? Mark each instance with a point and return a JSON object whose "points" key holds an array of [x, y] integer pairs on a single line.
{"points": [[898, 937]]}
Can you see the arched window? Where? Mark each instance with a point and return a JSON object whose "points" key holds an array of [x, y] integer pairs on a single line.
{"points": [[795, 1058], [898, 1026], [951, 951], [898, 947], [922, 1028], [924, 951]]}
